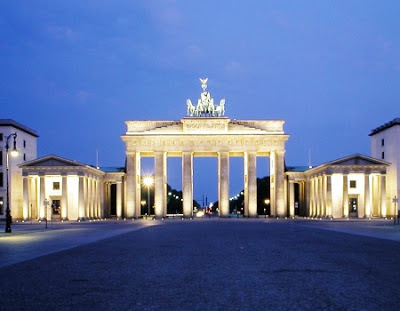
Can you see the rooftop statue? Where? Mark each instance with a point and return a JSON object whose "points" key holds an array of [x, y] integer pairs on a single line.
{"points": [[205, 104]]}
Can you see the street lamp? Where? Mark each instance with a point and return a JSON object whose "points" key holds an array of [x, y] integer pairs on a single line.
{"points": [[266, 202], [14, 153], [148, 182]]}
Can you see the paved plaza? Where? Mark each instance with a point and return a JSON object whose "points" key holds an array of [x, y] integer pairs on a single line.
{"points": [[201, 264]]}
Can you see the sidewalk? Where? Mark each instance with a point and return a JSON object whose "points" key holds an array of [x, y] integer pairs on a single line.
{"points": [[374, 228], [28, 241], [31, 240]]}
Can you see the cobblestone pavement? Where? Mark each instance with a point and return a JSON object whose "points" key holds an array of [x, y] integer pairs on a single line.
{"points": [[202, 264]]}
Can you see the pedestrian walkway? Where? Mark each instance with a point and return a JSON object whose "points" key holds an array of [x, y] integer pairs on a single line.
{"points": [[32, 240], [376, 228]]}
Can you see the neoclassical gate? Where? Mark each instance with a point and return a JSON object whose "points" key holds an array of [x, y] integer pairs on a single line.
{"points": [[205, 132]]}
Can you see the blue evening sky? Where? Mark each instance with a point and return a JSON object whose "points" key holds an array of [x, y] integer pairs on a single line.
{"points": [[76, 70]]}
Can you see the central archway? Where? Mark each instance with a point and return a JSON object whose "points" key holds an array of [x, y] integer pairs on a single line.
{"points": [[213, 136]]}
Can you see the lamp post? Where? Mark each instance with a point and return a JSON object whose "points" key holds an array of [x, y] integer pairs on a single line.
{"points": [[14, 153], [395, 200], [266, 202], [148, 182]]}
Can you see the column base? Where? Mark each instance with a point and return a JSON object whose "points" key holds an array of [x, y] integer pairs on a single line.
{"points": [[187, 217]]}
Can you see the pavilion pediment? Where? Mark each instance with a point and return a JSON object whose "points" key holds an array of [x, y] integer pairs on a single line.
{"points": [[205, 125], [51, 161], [358, 160]]}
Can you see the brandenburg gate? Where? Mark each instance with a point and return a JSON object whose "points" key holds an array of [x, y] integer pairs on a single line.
{"points": [[206, 131]]}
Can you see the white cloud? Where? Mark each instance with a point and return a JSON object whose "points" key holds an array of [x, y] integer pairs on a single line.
{"points": [[83, 97], [233, 67], [193, 52], [61, 32]]}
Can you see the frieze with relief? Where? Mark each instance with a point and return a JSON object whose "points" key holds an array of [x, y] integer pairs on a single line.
{"points": [[205, 125], [177, 144]]}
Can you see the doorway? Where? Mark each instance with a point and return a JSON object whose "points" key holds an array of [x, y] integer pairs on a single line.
{"points": [[55, 209], [353, 207]]}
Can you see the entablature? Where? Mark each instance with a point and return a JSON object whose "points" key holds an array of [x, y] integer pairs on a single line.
{"points": [[209, 143]]}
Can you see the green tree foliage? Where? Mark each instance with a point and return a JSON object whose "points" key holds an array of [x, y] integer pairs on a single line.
{"points": [[263, 193], [174, 201]]}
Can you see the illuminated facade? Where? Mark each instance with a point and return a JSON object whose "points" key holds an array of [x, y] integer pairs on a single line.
{"points": [[26, 141], [385, 145], [205, 132], [354, 186], [57, 188], [205, 137]]}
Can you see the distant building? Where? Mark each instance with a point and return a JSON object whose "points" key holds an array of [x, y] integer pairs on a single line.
{"points": [[385, 145], [26, 146]]}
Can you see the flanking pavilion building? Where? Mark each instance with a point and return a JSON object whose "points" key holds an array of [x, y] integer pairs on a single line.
{"points": [[354, 186]]}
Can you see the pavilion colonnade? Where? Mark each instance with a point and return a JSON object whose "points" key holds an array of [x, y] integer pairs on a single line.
{"points": [[330, 194]]}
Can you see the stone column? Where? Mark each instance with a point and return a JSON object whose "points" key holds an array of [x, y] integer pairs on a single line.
{"points": [[314, 197], [223, 184], [365, 210], [107, 207], [307, 197], [64, 198], [81, 203], [291, 198], [42, 215], [96, 198], [319, 199], [34, 195], [187, 183], [345, 203], [383, 195], [130, 186], [133, 185], [160, 184], [86, 195], [92, 197], [304, 187], [245, 186], [25, 189], [311, 192], [323, 196], [88, 200], [101, 200], [118, 200], [250, 187], [329, 212], [278, 173]]}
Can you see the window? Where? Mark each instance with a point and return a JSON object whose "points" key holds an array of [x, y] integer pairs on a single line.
{"points": [[1, 157], [1, 206], [383, 155], [383, 142], [1, 179], [1, 136], [353, 184], [56, 185], [24, 143], [24, 157]]}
